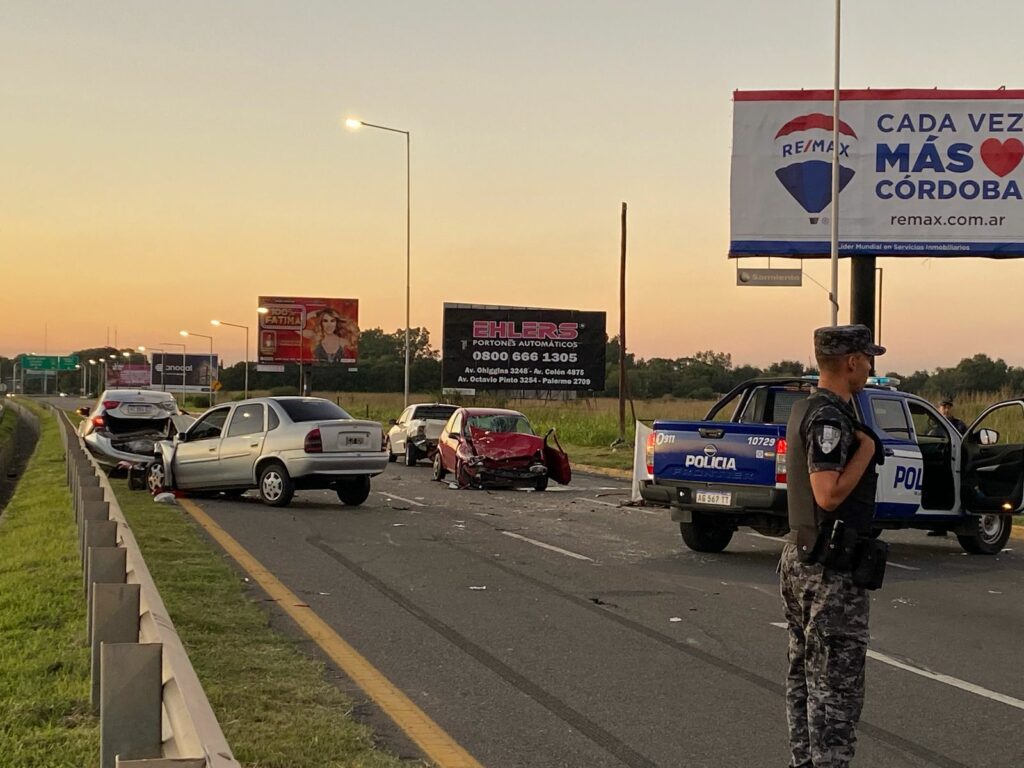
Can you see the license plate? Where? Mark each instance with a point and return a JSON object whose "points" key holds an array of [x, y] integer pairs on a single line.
{"points": [[354, 440], [719, 498], [136, 409]]}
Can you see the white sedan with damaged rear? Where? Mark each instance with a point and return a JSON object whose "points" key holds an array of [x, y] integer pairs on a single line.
{"points": [[276, 445]]}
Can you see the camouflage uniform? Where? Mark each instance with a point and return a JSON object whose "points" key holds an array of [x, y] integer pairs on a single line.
{"points": [[827, 615]]}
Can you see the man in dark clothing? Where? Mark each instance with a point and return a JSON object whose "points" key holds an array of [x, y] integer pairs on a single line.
{"points": [[946, 409], [831, 478]]}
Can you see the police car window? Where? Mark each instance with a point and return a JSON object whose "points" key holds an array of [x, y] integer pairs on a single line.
{"points": [[890, 417], [927, 424]]}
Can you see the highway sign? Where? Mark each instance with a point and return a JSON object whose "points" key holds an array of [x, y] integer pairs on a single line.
{"points": [[49, 362]]}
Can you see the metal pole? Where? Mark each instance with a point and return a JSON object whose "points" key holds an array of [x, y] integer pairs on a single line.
{"points": [[247, 362], [622, 334], [209, 375], [881, 273], [408, 229], [835, 178]]}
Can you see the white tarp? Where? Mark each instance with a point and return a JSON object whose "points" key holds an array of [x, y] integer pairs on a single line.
{"points": [[640, 473], [922, 173]]}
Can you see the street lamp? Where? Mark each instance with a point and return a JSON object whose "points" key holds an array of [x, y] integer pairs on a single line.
{"points": [[163, 364], [210, 339], [354, 124], [880, 271], [246, 327], [176, 344]]}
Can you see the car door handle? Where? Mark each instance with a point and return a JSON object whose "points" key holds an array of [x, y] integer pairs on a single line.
{"points": [[254, 445], [211, 450], [889, 452]]}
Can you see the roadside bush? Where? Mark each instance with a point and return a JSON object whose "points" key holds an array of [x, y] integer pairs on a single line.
{"points": [[283, 391]]}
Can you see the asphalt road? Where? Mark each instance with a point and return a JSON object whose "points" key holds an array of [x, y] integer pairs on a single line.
{"points": [[562, 629]]}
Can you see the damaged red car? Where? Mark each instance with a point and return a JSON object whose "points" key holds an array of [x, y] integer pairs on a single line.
{"points": [[495, 446]]}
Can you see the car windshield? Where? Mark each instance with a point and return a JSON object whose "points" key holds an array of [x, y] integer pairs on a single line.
{"points": [[314, 409], [437, 412], [502, 422]]}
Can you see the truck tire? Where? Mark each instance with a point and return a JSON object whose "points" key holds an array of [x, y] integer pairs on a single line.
{"points": [[706, 535], [989, 536]]}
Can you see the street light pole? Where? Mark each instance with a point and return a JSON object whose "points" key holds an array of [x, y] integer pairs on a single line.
{"points": [[834, 250], [353, 123], [246, 327], [210, 339]]}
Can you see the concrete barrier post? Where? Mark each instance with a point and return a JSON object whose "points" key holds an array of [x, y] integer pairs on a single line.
{"points": [[92, 511], [97, 533], [87, 493], [130, 694], [106, 565], [113, 618]]}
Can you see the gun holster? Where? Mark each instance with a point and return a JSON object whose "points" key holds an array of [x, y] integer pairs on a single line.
{"points": [[838, 550], [869, 563]]}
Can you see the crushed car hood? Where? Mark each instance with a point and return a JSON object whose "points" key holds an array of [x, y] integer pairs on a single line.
{"points": [[505, 445]]}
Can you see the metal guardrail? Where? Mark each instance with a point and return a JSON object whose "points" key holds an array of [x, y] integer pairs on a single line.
{"points": [[153, 710]]}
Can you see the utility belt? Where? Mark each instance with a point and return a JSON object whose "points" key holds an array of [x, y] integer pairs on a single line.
{"points": [[841, 548]]}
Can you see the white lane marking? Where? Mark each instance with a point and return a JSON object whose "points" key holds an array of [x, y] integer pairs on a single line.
{"points": [[938, 677], [407, 501], [552, 547], [904, 567], [603, 503]]}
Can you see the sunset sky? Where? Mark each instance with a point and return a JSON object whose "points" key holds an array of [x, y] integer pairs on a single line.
{"points": [[167, 163]]}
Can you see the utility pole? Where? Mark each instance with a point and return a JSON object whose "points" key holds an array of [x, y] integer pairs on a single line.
{"points": [[622, 334]]}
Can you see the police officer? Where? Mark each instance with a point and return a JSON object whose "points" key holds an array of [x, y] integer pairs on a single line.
{"points": [[946, 409], [831, 478]]}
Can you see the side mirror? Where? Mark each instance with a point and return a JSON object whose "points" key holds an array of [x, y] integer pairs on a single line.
{"points": [[82, 411], [182, 437], [988, 437]]}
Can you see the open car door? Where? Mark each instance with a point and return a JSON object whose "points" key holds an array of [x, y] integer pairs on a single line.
{"points": [[992, 479]]}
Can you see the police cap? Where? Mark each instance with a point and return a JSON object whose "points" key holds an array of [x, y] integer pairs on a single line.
{"points": [[845, 340]]}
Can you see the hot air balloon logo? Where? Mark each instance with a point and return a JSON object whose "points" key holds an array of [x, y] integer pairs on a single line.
{"points": [[804, 147]]}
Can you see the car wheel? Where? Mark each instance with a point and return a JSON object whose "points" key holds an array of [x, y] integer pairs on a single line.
{"points": [[391, 456], [439, 472], [411, 455], [462, 477], [705, 534], [353, 491], [541, 483], [155, 477], [989, 536], [276, 487]]}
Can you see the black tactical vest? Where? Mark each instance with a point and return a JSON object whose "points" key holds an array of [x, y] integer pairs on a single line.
{"points": [[857, 510]]}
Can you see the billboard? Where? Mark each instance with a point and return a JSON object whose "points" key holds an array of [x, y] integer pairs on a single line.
{"points": [[492, 347], [130, 375], [309, 331], [922, 173], [198, 373]]}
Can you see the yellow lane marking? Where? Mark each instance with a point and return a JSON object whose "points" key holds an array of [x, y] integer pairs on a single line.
{"points": [[428, 735]]}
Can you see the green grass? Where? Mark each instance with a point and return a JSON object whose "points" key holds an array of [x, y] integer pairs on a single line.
{"points": [[272, 701], [8, 421], [44, 682]]}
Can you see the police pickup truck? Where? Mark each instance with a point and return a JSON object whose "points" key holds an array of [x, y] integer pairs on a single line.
{"points": [[730, 469]]}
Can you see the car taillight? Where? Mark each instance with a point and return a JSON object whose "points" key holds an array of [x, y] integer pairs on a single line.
{"points": [[111, 404], [97, 421], [650, 453], [780, 461], [313, 443]]}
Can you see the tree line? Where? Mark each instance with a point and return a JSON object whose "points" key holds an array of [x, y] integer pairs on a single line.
{"points": [[702, 375]]}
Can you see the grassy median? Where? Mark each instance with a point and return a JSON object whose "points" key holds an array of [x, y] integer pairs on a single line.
{"points": [[44, 661], [272, 701]]}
